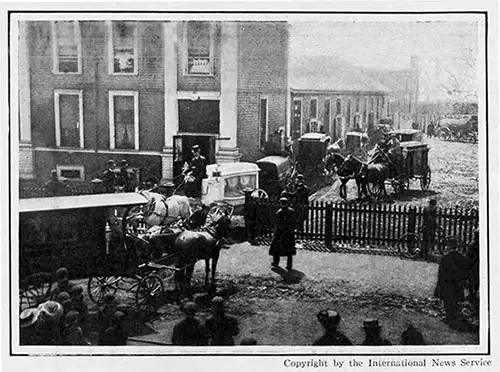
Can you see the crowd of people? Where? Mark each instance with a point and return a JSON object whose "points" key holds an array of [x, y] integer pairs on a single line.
{"points": [[63, 318]]}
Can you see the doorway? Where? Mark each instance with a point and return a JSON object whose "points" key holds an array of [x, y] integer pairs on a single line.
{"points": [[182, 151]]}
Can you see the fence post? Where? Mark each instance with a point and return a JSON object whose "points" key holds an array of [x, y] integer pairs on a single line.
{"points": [[329, 224], [412, 219]]}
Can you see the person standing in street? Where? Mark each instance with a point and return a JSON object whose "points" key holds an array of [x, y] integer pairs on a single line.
{"points": [[330, 320], [301, 198], [429, 226], [55, 187], [452, 276], [372, 334], [283, 243], [189, 331], [221, 328], [124, 177], [109, 178]]}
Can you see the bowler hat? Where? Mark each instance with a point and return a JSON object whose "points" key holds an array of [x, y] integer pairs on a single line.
{"points": [[111, 161], [124, 162], [195, 148], [370, 324], [28, 317]]}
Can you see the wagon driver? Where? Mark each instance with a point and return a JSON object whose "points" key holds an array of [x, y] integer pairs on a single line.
{"points": [[395, 152], [195, 172], [284, 240]]}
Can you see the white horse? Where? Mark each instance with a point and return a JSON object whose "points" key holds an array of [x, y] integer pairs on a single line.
{"points": [[163, 211]]}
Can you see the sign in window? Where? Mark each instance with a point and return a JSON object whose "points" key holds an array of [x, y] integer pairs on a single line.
{"points": [[124, 47], [199, 43]]}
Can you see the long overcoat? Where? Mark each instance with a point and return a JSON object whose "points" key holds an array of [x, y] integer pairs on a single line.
{"points": [[452, 273], [284, 236]]}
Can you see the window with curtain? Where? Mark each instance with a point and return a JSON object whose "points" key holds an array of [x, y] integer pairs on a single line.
{"points": [[124, 120], [67, 47], [124, 47], [69, 120], [199, 47]]}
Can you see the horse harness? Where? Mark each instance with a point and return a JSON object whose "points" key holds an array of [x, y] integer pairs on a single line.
{"points": [[152, 210]]}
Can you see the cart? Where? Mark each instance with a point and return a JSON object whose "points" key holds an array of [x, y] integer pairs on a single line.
{"points": [[312, 151]]}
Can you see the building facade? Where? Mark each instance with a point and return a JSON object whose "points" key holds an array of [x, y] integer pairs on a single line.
{"points": [[147, 91], [328, 95]]}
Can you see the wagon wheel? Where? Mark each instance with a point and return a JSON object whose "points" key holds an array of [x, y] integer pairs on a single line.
{"points": [[409, 245], [222, 208], [425, 180], [444, 134], [149, 294], [374, 189], [259, 194], [34, 290], [99, 286]]}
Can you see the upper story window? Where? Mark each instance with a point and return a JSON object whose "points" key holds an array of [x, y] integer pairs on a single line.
{"points": [[123, 48], [198, 39], [68, 109], [124, 120], [357, 105], [67, 47], [339, 106], [313, 112]]}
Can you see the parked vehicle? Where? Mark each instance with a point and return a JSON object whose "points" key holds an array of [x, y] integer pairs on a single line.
{"points": [[312, 151], [408, 135], [461, 129], [276, 174]]}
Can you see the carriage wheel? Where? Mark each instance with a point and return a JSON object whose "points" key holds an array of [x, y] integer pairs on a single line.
{"points": [[425, 180], [149, 294], [222, 208], [34, 290], [259, 194], [444, 135], [374, 189], [99, 286], [409, 245]]}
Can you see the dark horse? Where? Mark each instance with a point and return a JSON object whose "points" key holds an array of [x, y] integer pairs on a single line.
{"points": [[352, 168], [205, 244]]}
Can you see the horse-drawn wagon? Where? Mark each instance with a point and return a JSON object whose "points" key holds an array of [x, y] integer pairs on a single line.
{"points": [[464, 128], [312, 150]]}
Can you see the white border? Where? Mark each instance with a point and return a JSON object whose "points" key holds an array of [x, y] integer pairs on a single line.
{"points": [[55, 55], [124, 93], [57, 113]]}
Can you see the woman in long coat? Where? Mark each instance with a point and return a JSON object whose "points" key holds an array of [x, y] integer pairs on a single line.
{"points": [[284, 236]]}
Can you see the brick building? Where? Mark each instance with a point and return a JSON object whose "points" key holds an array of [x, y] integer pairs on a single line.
{"points": [[329, 95], [146, 91]]}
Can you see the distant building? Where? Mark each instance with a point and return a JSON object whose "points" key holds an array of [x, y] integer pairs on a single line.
{"points": [[329, 95], [146, 92], [404, 86]]}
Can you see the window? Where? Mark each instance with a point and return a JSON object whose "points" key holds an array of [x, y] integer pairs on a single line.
{"points": [[326, 116], [71, 172], [198, 39], [124, 120], [68, 110], [378, 107], [297, 118], [365, 109], [123, 48], [263, 127], [313, 108], [371, 104], [67, 49], [357, 105], [339, 106], [348, 113]]}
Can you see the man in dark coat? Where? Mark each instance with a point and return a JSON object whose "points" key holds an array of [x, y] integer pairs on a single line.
{"points": [[189, 331], [330, 320], [284, 236], [195, 173], [109, 178], [115, 335], [452, 275], [221, 328], [124, 177], [55, 187], [301, 198], [372, 334], [429, 226], [473, 256], [411, 336]]}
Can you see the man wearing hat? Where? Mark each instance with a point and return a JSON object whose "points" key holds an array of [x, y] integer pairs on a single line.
{"points": [[394, 153], [221, 328], [452, 276], [372, 334], [109, 179], [189, 331], [330, 320], [301, 198], [195, 172], [55, 187], [283, 243], [115, 335], [429, 226], [123, 176]]}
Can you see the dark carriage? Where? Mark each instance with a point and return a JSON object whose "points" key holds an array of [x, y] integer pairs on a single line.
{"points": [[312, 150], [88, 235], [276, 173]]}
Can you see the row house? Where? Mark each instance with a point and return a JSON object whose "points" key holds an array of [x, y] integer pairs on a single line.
{"points": [[146, 91], [328, 95]]}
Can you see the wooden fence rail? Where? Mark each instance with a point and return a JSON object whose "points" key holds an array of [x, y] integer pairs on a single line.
{"points": [[373, 224]]}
